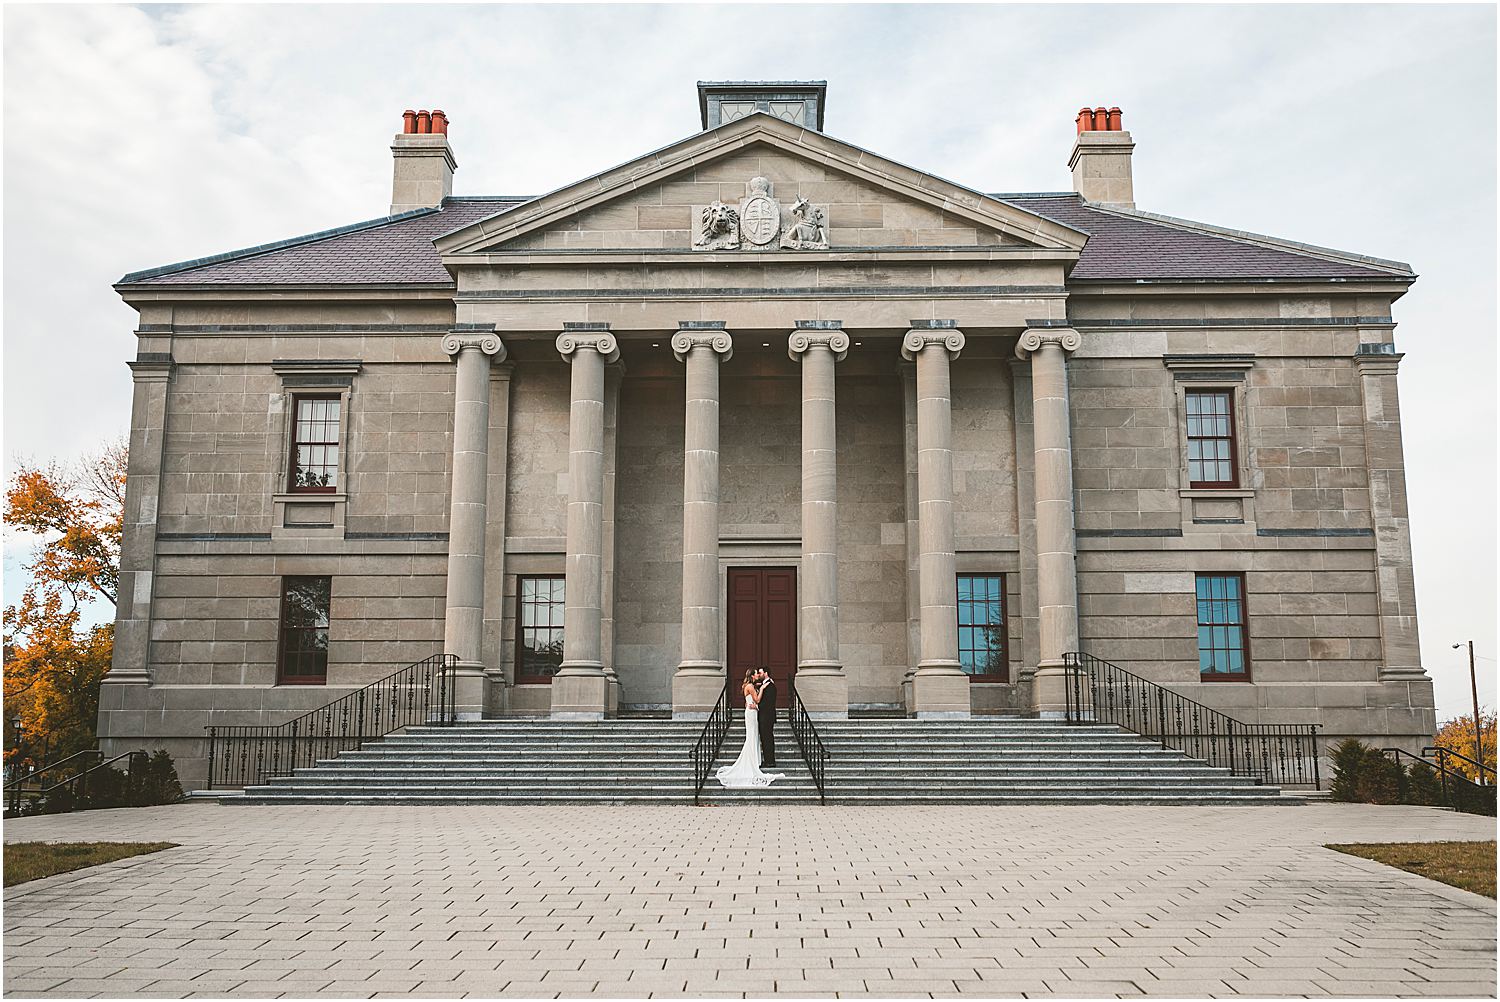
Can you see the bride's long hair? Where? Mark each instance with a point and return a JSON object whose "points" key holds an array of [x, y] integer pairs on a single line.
{"points": [[746, 680]]}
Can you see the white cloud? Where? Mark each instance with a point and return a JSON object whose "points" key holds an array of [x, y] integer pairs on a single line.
{"points": [[136, 137]]}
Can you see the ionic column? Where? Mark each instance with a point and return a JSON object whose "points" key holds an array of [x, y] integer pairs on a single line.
{"points": [[463, 620], [939, 688], [580, 689], [820, 672], [700, 674], [1056, 547]]}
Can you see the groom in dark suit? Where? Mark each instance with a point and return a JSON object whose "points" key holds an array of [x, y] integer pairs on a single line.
{"points": [[766, 719]]}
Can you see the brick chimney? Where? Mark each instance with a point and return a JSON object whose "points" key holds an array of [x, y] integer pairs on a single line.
{"points": [[424, 162], [1101, 158]]}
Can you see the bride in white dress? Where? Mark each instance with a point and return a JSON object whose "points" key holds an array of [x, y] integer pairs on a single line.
{"points": [[745, 772]]}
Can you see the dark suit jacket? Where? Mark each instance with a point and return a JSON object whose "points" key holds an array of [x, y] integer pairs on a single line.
{"points": [[766, 714]]}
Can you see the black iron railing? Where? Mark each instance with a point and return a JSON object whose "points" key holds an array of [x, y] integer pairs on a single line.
{"points": [[78, 784], [710, 741], [1279, 754], [250, 754], [34, 783], [1445, 753], [1459, 791], [814, 752]]}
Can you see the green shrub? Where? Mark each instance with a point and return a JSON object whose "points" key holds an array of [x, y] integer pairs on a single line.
{"points": [[153, 783], [1380, 779], [1423, 787], [1347, 757]]}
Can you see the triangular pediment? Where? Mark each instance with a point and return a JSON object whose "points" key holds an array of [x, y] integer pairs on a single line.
{"points": [[862, 201]]}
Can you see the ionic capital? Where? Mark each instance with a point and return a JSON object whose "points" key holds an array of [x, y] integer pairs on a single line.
{"points": [[602, 341], [1035, 338], [715, 339], [818, 334], [454, 343], [919, 340]]}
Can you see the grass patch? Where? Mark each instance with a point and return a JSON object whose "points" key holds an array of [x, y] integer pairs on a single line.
{"points": [[33, 860], [1470, 865]]}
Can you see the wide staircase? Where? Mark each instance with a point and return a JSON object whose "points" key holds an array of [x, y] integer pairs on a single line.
{"points": [[870, 761]]}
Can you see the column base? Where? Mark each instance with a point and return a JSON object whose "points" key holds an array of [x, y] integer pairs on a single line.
{"points": [[940, 691], [824, 689], [580, 692], [695, 690], [468, 681], [1049, 690]]}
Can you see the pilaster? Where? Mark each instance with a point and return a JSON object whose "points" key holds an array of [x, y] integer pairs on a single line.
{"points": [[131, 660], [1377, 364]]}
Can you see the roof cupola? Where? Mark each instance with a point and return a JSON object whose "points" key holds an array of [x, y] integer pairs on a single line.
{"points": [[797, 101]]}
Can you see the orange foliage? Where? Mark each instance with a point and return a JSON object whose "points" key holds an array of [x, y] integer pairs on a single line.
{"points": [[1458, 735], [52, 666]]}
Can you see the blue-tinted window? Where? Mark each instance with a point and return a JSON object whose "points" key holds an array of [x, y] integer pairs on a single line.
{"points": [[1221, 626], [981, 624]]}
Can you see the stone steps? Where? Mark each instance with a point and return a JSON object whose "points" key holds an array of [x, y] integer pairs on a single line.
{"points": [[872, 761]]}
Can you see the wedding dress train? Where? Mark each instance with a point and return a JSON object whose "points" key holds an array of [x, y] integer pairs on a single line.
{"points": [[745, 772]]}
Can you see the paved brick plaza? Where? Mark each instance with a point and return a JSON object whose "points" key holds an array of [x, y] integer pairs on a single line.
{"points": [[748, 901]]}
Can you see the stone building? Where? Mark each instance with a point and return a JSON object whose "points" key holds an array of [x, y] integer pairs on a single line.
{"points": [[762, 396]]}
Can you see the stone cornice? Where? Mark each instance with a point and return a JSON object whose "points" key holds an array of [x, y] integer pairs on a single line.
{"points": [[818, 334], [152, 367], [1034, 338]]}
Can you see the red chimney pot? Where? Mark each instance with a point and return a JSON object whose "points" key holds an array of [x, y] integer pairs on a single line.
{"points": [[424, 122], [1085, 120], [408, 121], [1114, 119], [439, 121]]}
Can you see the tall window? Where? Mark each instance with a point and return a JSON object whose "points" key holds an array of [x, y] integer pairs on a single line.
{"points": [[303, 658], [315, 445], [1210, 438], [981, 625], [539, 628], [1223, 653]]}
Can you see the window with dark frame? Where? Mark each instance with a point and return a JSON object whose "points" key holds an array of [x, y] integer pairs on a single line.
{"points": [[539, 628], [1212, 461], [315, 444], [1223, 643], [303, 655], [982, 648]]}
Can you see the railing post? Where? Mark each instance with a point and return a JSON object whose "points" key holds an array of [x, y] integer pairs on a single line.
{"points": [[213, 741], [1317, 775]]}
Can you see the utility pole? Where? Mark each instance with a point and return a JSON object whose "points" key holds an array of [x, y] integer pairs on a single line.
{"points": [[1478, 733]]}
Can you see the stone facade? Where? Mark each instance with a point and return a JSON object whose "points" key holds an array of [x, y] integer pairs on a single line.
{"points": [[958, 384]]}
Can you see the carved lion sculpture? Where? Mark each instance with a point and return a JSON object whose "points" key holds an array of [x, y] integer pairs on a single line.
{"points": [[719, 226]]}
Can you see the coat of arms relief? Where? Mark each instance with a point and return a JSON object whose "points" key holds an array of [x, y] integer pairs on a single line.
{"points": [[758, 222]]}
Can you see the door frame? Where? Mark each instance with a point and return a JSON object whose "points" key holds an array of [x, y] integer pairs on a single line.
{"points": [[796, 618], [777, 552]]}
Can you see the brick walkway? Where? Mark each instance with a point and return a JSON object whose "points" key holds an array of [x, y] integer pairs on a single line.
{"points": [[630, 902]]}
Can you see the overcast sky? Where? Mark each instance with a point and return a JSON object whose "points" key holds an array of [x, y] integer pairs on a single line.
{"points": [[137, 136]]}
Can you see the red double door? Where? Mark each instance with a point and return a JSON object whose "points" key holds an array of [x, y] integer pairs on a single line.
{"points": [[763, 627]]}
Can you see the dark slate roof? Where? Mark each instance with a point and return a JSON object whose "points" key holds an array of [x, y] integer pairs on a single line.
{"points": [[392, 249], [1122, 245], [1125, 246]]}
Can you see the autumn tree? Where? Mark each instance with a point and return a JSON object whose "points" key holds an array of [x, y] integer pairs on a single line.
{"points": [[53, 663], [1458, 735]]}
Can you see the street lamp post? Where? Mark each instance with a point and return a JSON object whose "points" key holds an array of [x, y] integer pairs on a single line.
{"points": [[1474, 691]]}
